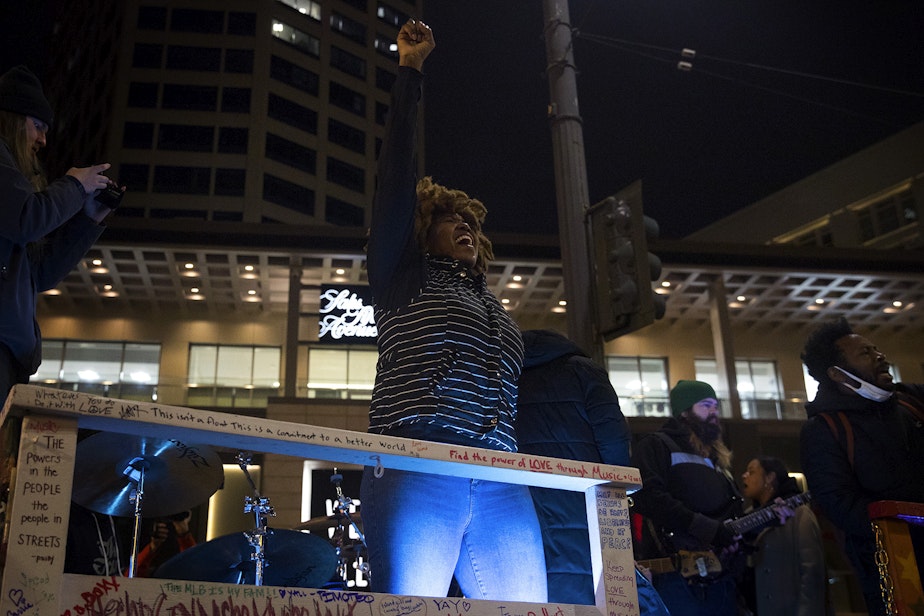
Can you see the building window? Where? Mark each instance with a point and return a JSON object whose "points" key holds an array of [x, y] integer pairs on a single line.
{"points": [[390, 15], [347, 62], [887, 215], [341, 373], [138, 135], [152, 18], [292, 114], [239, 61], [641, 384], [185, 58], [185, 138], [181, 180], [308, 8], [232, 140], [147, 55], [353, 30], [242, 24], [134, 177], [359, 5], [194, 20], [386, 45], [290, 153], [231, 375], [289, 195], [816, 237], [345, 135], [758, 387], [345, 174], [301, 41], [142, 95], [384, 80], [127, 370], [235, 100], [345, 98], [230, 182], [293, 75], [343, 214], [189, 97], [381, 114]]}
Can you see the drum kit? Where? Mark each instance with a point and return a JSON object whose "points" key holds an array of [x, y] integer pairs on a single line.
{"points": [[344, 527], [135, 476]]}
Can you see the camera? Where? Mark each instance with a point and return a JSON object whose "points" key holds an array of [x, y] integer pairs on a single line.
{"points": [[111, 196]]}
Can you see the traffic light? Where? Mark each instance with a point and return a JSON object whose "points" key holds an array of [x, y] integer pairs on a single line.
{"points": [[623, 266]]}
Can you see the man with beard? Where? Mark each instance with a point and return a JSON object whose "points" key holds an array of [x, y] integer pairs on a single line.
{"points": [[687, 493], [863, 442]]}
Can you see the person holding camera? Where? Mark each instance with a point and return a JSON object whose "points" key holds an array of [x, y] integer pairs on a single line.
{"points": [[45, 227]]}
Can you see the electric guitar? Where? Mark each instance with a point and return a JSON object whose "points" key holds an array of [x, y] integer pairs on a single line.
{"points": [[764, 515], [704, 563]]}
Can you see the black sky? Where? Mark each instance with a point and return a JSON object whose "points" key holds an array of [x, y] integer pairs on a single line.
{"points": [[706, 142]]}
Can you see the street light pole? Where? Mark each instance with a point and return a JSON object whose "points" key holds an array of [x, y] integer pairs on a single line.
{"points": [[570, 179]]}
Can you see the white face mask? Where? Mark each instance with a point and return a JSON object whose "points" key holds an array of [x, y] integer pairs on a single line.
{"points": [[865, 390]]}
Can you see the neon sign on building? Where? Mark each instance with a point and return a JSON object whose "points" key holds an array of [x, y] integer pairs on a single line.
{"points": [[346, 315]]}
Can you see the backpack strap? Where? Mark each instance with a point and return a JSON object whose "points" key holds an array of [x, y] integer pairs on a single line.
{"points": [[848, 431], [912, 404]]}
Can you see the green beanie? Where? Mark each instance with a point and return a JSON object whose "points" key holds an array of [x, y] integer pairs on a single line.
{"points": [[687, 393]]}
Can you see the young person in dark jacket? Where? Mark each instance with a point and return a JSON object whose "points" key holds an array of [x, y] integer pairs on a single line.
{"points": [[886, 438], [449, 360], [787, 560], [567, 408], [687, 493], [45, 227]]}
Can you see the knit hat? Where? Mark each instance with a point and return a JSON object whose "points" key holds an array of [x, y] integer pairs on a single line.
{"points": [[687, 393], [21, 92]]}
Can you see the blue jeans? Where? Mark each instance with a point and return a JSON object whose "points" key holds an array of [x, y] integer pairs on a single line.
{"points": [[719, 598], [422, 529]]}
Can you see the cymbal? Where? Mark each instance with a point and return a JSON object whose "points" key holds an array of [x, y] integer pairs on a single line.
{"points": [[292, 558], [177, 475], [320, 524]]}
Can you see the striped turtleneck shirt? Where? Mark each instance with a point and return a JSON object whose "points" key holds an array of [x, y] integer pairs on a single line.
{"points": [[449, 354]]}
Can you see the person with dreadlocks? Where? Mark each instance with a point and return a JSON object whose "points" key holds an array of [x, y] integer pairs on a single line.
{"points": [[449, 361]]}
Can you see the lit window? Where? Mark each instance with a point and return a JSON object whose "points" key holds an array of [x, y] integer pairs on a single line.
{"points": [[641, 384], [308, 8], [341, 373]]}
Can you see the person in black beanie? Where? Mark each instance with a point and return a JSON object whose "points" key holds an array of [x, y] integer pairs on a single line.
{"points": [[45, 227]]}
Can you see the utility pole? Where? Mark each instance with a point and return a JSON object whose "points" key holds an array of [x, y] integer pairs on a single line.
{"points": [[570, 179]]}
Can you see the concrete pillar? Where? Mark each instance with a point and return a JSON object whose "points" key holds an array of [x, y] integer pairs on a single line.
{"points": [[722, 343]]}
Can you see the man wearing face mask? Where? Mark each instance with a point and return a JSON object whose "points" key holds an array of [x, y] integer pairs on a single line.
{"points": [[863, 442]]}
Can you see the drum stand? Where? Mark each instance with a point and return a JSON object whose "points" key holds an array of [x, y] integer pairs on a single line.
{"points": [[260, 507], [135, 472], [342, 511]]}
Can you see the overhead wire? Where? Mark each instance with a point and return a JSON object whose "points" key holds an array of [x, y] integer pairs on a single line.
{"points": [[636, 48]]}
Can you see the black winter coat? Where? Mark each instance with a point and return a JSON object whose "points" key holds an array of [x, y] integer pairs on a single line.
{"points": [[888, 464], [567, 408]]}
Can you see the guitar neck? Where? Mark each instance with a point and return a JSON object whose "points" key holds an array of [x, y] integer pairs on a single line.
{"points": [[658, 565], [763, 516]]}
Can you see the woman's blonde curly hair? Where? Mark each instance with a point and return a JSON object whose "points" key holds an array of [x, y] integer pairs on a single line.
{"points": [[434, 200]]}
